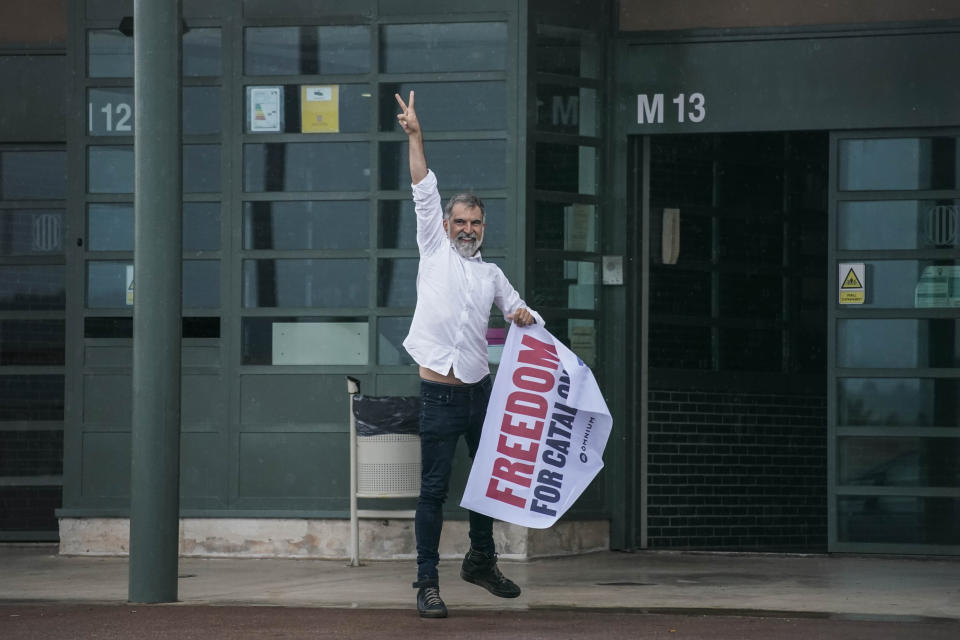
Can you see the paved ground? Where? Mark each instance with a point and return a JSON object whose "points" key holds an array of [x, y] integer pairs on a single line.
{"points": [[649, 580], [109, 622], [609, 595]]}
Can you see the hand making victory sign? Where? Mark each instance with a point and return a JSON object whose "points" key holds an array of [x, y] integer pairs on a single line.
{"points": [[407, 119], [411, 126]]}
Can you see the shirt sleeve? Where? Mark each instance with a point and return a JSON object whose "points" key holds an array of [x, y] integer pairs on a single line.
{"points": [[508, 300], [426, 199]]}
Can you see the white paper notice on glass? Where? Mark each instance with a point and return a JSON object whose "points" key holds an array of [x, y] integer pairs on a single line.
{"points": [[266, 109]]}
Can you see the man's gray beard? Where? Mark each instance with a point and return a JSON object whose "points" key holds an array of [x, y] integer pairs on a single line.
{"points": [[469, 249]]}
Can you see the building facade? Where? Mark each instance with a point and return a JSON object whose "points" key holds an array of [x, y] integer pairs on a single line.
{"points": [[743, 215]]}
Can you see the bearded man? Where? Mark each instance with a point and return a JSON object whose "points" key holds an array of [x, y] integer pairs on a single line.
{"points": [[447, 339]]}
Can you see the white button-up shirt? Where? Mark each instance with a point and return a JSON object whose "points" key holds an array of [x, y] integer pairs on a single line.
{"points": [[454, 296]]}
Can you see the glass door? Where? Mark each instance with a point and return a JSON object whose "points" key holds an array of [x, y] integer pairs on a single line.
{"points": [[894, 353]]}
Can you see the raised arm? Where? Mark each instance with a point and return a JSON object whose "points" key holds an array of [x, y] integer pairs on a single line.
{"points": [[411, 126]]}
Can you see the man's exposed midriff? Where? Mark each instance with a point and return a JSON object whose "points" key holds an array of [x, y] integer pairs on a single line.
{"points": [[433, 376]]}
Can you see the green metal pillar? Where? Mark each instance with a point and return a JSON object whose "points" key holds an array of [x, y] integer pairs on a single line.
{"points": [[155, 470]]}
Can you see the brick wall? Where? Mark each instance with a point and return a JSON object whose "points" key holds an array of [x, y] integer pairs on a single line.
{"points": [[737, 471]]}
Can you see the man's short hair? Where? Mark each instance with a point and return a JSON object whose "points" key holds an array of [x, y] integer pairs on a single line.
{"points": [[468, 199]]}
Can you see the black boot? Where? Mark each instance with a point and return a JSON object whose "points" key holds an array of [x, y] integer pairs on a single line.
{"points": [[429, 603], [481, 569]]}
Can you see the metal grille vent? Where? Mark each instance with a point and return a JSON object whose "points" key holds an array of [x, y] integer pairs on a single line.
{"points": [[942, 225]]}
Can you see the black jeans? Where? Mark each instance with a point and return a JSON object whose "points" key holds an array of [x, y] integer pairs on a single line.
{"points": [[447, 412]]}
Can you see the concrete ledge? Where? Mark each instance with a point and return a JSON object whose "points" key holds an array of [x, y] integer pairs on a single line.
{"points": [[329, 539]]}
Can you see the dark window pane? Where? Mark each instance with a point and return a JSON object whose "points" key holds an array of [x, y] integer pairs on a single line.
{"points": [[680, 293], [33, 175], [565, 226], [809, 350], [201, 52], [343, 108], [462, 165], [898, 462], [31, 342], [201, 226], [565, 284], [898, 163], [28, 232], [750, 350], [391, 334], [898, 402], [566, 51], [306, 224], [31, 453], [110, 226], [31, 288], [547, 288], [906, 343], [305, 283], [674, 346], [106, 327], [398, 224], [201, 327], [109, 54], [201, 168], [110, 285], [201, 284], [565, 109], [27, 397], [565, 167], [583, 283], [682, 171], [756, 239], [306, 341], [413, 48], [898, 224], [397, 282], [318, 166], [272, 51], [122, 327], [751, 295], [898, 520], [448, 106], [201, 110], [110, 169]]}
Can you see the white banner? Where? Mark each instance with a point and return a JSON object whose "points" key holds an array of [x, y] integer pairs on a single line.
{"points": [[544, 434]]}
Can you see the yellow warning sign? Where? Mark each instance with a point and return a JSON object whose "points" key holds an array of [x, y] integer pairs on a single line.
{"points": [[320, 109], [851, 281], [129, 285], [852, 290]]}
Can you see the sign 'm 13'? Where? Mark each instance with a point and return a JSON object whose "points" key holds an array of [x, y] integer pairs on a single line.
{"points": [[691, 108]]}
